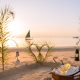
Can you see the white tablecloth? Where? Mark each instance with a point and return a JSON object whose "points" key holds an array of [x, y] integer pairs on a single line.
{"points": [[72, 70]]}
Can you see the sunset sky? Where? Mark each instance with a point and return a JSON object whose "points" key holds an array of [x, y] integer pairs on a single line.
{"points": [[45, 18]]}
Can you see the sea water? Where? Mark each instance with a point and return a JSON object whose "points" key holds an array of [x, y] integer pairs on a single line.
{"points": [[52, 41]]}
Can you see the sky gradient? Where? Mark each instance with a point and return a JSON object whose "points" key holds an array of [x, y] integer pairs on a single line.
{"points": [[45, 18]]}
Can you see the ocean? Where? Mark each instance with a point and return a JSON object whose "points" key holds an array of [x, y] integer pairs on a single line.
{"points": [[52, 41]]}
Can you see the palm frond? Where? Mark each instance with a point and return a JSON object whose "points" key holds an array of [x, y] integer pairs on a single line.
{"points": [[5, 16]]}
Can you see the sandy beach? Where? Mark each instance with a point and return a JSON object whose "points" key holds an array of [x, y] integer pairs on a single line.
{"points": [[39, 27], [27, 69]]}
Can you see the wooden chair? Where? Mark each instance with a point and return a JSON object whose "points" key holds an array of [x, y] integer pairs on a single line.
{"points": [[68, 77]]}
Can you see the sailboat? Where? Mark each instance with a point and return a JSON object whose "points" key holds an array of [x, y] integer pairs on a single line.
{"points": [[28, 37]]}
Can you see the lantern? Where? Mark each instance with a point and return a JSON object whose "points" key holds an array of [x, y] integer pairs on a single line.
{"points": [[77, 55]]}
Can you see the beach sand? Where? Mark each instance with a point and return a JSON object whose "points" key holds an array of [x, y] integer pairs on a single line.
{"points": [[27, 69]]}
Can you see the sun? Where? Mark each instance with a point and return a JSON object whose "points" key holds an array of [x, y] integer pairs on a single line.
{"points": [[16, 27]]}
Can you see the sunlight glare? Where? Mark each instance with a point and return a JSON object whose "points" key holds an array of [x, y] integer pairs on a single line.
{"points": [[16, 27], [11, 43]]}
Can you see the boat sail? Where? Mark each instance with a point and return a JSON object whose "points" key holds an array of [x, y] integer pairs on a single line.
{"points": [[28, 37]]}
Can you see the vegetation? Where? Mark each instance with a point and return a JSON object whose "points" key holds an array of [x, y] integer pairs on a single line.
{"points": [[5, 16], [40, 58]]}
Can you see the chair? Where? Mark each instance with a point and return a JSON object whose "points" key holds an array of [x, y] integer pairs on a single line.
{"points": [[60, 61], [68, 77]]}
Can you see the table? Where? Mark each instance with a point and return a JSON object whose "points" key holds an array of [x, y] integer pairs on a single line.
{"points": [[71, 71], [71, 74]]}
